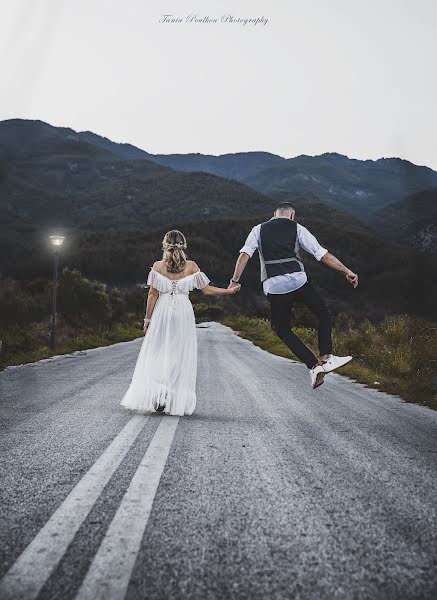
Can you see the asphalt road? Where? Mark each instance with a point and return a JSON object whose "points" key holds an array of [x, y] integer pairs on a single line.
{"points": [[270, 490]]}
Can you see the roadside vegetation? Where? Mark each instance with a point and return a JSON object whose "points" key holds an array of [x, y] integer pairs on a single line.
{"points": [[397, 355]]}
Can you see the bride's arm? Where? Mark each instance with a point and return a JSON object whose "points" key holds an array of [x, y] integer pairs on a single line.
{"points": [[211, 290], [152, 297]]}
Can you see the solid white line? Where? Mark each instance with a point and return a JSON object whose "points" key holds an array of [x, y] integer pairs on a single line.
{"points": [[33, 567], [111, 569]]}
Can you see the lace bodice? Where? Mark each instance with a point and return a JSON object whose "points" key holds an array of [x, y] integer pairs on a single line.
{"points": [[184, 285]]}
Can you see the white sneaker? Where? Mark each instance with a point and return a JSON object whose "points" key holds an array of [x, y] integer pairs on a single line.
{"points": [[335, 362], [317, 375]]}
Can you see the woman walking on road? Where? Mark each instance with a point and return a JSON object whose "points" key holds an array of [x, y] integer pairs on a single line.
{"points": [[164, 378]]}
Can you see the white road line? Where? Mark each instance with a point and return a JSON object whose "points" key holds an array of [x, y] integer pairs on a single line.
{"points": [[111, 569], [33, 567]]}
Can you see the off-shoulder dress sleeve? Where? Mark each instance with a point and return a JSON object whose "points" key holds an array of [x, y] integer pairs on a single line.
{"points": [[153, 279], [200, 280]]}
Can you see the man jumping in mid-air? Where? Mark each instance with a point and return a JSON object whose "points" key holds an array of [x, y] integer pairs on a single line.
{"points": [[278, 241]]}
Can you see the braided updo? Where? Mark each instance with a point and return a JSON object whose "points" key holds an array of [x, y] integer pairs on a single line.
{"points": [[173, 245]]}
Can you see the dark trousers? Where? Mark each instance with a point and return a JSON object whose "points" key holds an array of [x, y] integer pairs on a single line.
{"points": [[281, 306]]}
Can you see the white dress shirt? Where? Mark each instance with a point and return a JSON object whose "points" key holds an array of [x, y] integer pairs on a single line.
{"points": [[289, 282]]}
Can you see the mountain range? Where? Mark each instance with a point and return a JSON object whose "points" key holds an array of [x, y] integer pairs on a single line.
{"points": [[49, 172], [115, 201], [54, 178], [356, 186]]}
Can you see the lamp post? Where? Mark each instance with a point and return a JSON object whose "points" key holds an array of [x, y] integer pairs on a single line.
{"points": [[56, 241]]}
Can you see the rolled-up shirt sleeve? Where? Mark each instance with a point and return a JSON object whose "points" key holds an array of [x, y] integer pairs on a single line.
{"points": [[309, 243], [251, 243]]}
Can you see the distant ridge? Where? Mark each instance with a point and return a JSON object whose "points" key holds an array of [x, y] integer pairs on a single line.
{"points": [[54, 177], [105, 180]]}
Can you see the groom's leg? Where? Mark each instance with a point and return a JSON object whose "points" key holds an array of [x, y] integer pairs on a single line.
{"points": [[308, 295], [280, 307]]}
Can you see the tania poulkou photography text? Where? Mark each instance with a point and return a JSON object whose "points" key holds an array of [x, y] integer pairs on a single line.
{"points": [[208, 19], [218, 300]]}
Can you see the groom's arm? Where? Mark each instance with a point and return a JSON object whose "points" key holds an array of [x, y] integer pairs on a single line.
{"points": [[250, 245], [310, 244], [240, 265]]}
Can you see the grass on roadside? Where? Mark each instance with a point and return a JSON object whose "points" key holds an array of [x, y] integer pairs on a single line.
{"points": [[120, 332], [398, 355]]}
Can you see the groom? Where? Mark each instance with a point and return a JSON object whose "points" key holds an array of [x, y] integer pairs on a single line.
{"points": [[278, 242]]}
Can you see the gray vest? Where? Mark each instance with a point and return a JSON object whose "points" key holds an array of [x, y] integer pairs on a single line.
{"points": [[279, 248]]}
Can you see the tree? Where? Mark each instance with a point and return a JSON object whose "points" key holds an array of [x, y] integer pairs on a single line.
{"points": [[81, 300]]}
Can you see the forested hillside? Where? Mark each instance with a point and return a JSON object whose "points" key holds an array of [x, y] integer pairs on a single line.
{"points": [[359, 187], [412, 221], [392, 278], [73, 189]]}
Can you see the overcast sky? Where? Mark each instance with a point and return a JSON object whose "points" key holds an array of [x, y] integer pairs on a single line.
{"points": [[356, 77]]}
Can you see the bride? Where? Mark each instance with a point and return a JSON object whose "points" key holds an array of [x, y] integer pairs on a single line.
{"points": [[164, 378]]}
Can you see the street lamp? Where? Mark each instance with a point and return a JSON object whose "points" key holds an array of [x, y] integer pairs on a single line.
{"points": [[56, 241]]}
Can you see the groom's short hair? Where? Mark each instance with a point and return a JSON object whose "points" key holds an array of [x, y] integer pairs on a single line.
{"points": [[285, 206]]}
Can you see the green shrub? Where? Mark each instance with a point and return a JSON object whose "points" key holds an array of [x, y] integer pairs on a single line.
{"points": [[208, 312]]}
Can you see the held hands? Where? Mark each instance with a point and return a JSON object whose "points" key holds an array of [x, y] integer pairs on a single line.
{"points": [[352, 278], [233, 288]]}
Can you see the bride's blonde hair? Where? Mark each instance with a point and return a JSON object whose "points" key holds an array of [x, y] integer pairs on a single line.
{"points": [[173, 245]]}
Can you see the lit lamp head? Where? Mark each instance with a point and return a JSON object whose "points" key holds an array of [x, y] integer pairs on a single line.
{"points": [[56, 240]]}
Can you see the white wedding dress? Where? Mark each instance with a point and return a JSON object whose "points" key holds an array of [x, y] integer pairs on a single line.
{"points": [[166, 368]]}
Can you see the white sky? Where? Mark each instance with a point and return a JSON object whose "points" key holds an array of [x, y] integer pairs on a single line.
{"points": [[356, 77]]}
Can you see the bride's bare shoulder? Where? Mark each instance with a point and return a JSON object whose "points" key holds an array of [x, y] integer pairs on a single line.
{"points": [[192, 266], [159, 266]]}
